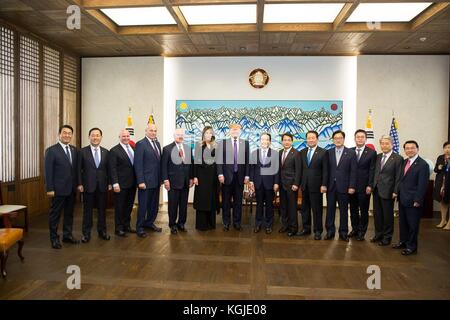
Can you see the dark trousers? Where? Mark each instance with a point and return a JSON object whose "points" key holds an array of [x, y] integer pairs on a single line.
{"points": [[384, 217], [359, 212], [264, 202], [409, 226], [232, 191], [148, 200], [90, 200], [342, 199], [123, 206], [177, 206], [288, 209], [58, 204], [314, 201]]}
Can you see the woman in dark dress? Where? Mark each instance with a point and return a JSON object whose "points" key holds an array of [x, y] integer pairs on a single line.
{"points": [[206, 196], [441, 192]]}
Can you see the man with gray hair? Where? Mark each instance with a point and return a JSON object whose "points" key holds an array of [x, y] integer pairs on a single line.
{"points": [[177, 175], [385, 189], [123, 180]]}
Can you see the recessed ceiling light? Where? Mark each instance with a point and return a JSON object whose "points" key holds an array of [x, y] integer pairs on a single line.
{"points": [[387, 12], [301, 12], [143, 16], [219, 14]]}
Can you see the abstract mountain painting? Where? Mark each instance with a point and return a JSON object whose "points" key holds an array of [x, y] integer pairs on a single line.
{"points": [[258, 116]]}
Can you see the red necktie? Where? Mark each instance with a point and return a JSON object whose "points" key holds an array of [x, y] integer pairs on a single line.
{"points": [[181, 153], [408, 165]]}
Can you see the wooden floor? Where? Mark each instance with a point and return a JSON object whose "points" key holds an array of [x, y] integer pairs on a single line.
{"points": [[226, 265]]}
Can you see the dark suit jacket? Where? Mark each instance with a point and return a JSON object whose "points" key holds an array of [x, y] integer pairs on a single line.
{"points": [[413, 185], [147, 165], [316, 174], [343, 174], [120, 167], [225, 160], [61, 176], [365, 169], [264, 176], [387, 180], [290, 172], [173, 169], [91, 177]]}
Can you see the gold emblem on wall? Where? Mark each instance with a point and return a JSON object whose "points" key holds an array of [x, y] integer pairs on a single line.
{"points": [[258, 78]]}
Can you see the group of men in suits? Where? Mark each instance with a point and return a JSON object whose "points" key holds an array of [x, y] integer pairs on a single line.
{"points": [[348, 177]]}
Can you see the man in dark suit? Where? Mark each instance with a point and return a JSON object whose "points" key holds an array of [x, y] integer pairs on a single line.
{"points": [[411, 196], [385, 189], [233, 171], [290, 175], [263, 178], [341, 184], [177, 175], [123, 180], [360, 200], [93, 173], [147, 166], [314, 183], [61, 178]]}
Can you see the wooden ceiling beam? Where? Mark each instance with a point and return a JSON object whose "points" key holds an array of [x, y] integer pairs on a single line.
{"points": [[101, 4], [260, 14], [222, 28], [297, 27], [428, 15], [343, 15], [104, 20], [177, 15], [210, 2], [378, 27], [148, 30]]}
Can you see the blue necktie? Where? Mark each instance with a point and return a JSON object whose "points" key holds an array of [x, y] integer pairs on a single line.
{"points": [[309, 156], [68, 154], [96, 159], [130, 155]]}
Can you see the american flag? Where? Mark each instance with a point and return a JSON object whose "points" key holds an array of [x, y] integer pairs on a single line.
{"points": [[394, 134]]}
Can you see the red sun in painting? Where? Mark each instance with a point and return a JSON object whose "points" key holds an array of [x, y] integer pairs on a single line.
{"points": [[334, 107]]}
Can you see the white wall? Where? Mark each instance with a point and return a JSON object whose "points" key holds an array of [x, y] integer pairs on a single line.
{"points": [[226, 78], [111, 85], [415, 88]]}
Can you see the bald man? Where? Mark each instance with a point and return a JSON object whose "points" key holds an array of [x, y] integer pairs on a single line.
{"points": [[147, 166], [177, 175], [123, 179]]}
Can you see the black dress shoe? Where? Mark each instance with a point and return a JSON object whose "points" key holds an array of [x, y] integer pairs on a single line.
{"points": [[154, 228], [141, 234], [268, 230], [257, 229], [375, 239], [408, 252], [303, 233], [351, 234], [317, 236], [360, 238], [291, 233], [120, 233], [237, 227], [329, 237], [226, 227], [85, 239], [399, 245], [173, 230], [283, 230], [71, 240], [344, 238], [56, 244], [104, 236], [181, 228], [130, 230], [384, 243]]}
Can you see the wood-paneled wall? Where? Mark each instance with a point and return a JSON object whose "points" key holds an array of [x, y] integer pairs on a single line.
{"points": [[31, 192]]}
